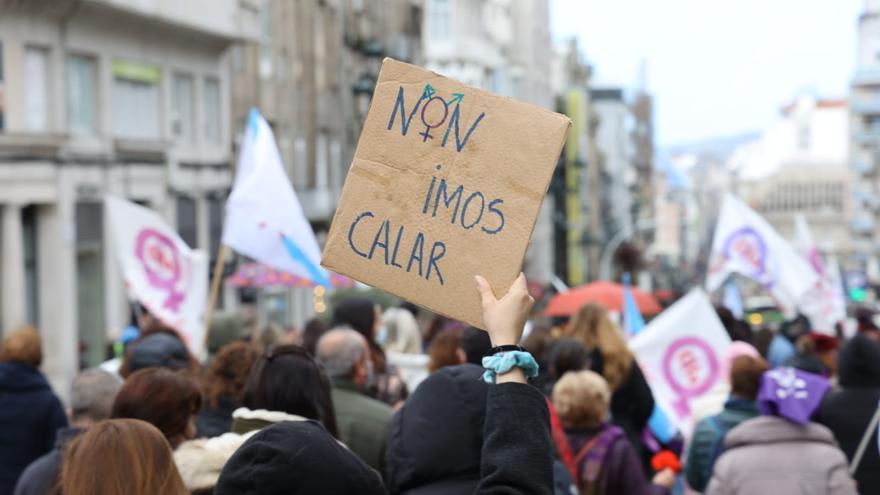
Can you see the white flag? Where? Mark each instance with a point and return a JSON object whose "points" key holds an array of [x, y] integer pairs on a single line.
{"points": [[824, 303], [264, 219], [160, 271], [680, 353], [746, 244]]}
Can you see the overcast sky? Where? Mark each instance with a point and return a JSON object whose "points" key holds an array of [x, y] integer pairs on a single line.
{"points": [[716, 67]]}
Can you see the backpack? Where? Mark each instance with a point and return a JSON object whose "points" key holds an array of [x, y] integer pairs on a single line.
{"points": [[720, 428], [593, 456]]}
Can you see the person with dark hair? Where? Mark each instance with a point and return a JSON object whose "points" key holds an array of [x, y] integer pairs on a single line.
{"points": [[363, 421], [847, 411], [159, 348], [91, 399], [815, 353], [312, 333], [30, 412], [412, 308], [476, 344], [762, 340], [223, 386], [446, 350], [165, 398], [737, 330], [365, 317], [707, 443], [567, 354], [285, 384], [286, 380], [120, 457]]}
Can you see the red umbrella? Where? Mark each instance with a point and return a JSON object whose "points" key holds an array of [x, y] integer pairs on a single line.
{"points": [[607, 294]]}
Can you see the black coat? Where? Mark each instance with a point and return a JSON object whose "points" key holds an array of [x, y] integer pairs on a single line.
{"points": [[215, 421], [296, 457], [42, 475], [30, 414], [846, 411], [434, 441]]}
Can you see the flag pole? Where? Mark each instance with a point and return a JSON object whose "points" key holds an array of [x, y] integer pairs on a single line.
{"points": [[215, 292]]}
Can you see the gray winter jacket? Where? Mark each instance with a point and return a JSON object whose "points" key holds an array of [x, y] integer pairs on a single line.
{"points": [[772, 455]]}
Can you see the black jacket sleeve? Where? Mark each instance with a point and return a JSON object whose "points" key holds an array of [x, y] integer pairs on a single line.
{"points": [[517, 450]]}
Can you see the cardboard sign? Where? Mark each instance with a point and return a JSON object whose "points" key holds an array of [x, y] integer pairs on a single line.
{"points": [[446, 183]]}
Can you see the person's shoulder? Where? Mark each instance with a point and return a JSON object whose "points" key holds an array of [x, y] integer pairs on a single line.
{"points": [[356, 403]]}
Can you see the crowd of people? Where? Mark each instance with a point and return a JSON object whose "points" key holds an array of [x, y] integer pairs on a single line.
{"points": [[564, 410]]}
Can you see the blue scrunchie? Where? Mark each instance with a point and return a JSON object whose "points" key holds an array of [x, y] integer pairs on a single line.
{"points": [[503, 362]]}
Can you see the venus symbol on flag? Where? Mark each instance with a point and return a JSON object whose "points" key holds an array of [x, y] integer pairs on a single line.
{"points": [[690, 367], [161, 263]]}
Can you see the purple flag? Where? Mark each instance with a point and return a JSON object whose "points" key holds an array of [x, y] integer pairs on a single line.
{"points": [[791, 394]]}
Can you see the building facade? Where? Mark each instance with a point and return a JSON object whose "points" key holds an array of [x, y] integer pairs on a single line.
{"points": [[800, 165], [864, 157], [105, 96], [501, 46], [311, 72]]}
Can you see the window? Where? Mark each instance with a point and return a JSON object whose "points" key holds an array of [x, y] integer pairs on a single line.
{"points": [[440, 19], [36, 96], [183, 112], [186, 221], [266, 40], [31, 277], [213, 115], [89, 220], [81, 94], [2, 121], [136, 100]]}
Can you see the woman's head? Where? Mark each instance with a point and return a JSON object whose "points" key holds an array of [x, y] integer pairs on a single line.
{"points": [[567, 354], [169, 400], [592, 327], [400, 323], [120, 457], [359, 314], [23, 346], [446, 351], [745, 376], [228, 372], [287, 379], [581, 399]]}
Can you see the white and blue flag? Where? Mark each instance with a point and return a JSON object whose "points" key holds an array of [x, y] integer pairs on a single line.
{"points": [[264, 218]]}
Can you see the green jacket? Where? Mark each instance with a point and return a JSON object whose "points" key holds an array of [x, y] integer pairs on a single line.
{"points": [[699, 457], [362, 422]]}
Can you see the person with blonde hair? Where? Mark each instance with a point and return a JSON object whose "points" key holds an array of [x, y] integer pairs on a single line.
{"points": [[631, 400], [30, 412], [120, 457], [604, 461], [402, 332]]}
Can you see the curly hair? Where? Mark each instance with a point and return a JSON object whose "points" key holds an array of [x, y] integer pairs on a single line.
{"points": [[228, 372], [582, 399]]}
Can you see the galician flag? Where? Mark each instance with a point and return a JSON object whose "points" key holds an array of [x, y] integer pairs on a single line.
{"points": [[264, 218], [160, 271], [824, 303], [746, 244]]}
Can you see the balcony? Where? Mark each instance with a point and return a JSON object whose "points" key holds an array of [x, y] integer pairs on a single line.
{"points": [[865, 105], [867, 135], [867, 76], [862, 224], [862, 167], [318, 204]]}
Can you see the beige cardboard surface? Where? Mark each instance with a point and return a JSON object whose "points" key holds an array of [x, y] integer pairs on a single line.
{"points": [[446, 183]]}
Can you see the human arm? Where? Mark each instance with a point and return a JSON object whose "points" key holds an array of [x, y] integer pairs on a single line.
{"points": [[517, 453]]}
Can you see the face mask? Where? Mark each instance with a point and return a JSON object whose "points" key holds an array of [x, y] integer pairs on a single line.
{"points": [[382, 335]]}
